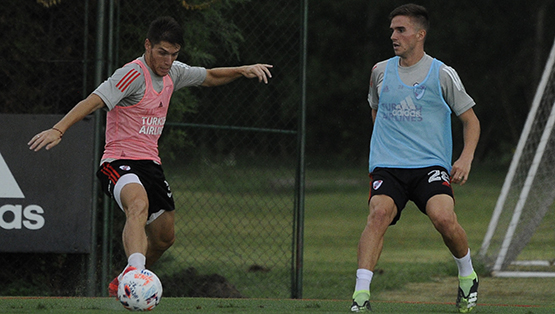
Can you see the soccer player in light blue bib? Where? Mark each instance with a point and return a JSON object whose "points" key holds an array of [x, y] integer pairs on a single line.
{"points": [[412, 97]]}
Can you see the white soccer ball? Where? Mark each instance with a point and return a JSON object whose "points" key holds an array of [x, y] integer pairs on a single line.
{"points": [[140, 290]]}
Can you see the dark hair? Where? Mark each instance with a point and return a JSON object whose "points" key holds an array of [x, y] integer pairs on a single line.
{"points": [[165, 28], [414, 11]]}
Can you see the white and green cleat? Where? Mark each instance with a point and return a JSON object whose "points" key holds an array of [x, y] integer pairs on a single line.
{"points": [[361, 301], [468, 293]]}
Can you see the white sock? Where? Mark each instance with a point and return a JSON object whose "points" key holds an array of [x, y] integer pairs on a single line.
{"points": [[364, 278], [465, 265], [137, 260]]}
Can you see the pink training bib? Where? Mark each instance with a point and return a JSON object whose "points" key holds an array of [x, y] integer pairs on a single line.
{"points": [[132, 132]]}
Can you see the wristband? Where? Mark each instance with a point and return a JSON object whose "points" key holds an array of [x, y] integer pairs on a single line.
{"points": [[61, 133]]}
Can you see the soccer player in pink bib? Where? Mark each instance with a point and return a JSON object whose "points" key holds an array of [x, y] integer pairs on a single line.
{"points": [[137, 97]]}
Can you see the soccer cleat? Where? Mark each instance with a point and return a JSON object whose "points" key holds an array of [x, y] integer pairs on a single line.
{"points": [[113, 286], [361, 301], [468, 293]]}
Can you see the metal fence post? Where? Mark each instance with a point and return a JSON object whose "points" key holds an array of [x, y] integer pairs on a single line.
{"points": [[91, 288], [297, 285]]}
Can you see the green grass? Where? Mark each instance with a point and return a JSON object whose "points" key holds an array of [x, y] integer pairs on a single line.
{"points": [[415, 274], [414, 253], [254, 306], [335, 214], [413, 250]]}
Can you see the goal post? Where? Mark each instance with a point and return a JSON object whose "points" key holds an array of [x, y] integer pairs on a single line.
{"points": [[528, 192]]}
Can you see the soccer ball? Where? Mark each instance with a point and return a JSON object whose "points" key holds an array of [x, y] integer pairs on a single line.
{"points": [[140, 290]]}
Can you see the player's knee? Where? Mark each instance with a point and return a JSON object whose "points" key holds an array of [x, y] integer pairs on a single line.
{"points": [[380, 215], [169, 241], [446, 224], [164, 242], [138, 209], [382, 210]]}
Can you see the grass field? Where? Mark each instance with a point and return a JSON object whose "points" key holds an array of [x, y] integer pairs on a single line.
{"points": [[416, 273], [415, 266], [249, 306]]}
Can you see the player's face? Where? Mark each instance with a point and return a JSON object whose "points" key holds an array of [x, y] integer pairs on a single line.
{"points": [[404, 36], [161, 56]]}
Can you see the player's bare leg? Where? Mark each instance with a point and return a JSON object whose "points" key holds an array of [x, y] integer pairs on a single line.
{"points": [[440, 210], [135, 205], [134, 201], [161, 236], [382, 212]]}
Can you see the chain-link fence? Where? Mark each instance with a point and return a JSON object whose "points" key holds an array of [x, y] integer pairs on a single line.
{"points": [[230, 153]]}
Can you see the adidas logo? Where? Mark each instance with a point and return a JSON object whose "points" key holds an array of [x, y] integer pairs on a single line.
{"points": [[8, 186], [14, 216]]}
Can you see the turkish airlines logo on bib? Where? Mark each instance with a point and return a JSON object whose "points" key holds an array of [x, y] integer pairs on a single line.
{"points": [[152, 125]]}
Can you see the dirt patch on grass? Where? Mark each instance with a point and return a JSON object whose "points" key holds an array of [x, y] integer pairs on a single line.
{"points": [[513, 291]]}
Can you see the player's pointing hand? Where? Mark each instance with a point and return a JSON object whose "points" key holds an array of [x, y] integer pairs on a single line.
{"points": [[261, 71]]}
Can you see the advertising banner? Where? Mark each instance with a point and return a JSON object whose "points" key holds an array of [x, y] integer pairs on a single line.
{"points": [[45, 196]]}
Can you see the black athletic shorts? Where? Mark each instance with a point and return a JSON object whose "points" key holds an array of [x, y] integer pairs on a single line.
{"points": [[417, 185], [151, 176]]}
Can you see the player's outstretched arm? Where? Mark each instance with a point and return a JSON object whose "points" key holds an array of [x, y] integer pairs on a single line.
{"points": [[53, 136], [221, 76]]}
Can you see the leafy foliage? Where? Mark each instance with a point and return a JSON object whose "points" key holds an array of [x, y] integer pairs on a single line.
{"points": [[498, 50]]}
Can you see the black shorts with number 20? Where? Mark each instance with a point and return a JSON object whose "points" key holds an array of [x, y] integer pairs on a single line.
{"points": [[417, 185], [151, 176]]}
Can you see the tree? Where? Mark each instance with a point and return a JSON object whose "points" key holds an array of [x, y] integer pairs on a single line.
{"points": [[496, 49]]}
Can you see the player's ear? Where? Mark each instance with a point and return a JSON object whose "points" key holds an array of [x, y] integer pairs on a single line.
{"points": [[148, 45], [421, 34]]}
